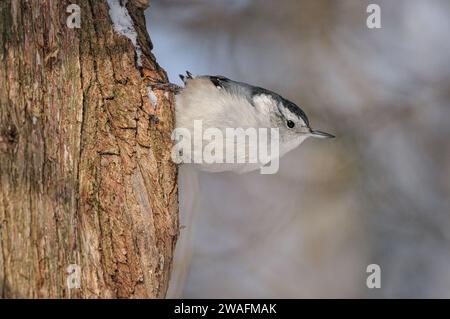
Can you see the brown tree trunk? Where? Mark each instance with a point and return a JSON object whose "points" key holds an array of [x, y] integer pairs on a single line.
{"points": [[85, 171]]}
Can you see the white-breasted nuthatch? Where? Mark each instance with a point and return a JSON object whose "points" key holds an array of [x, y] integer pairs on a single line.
{"points": [[220, 103]]}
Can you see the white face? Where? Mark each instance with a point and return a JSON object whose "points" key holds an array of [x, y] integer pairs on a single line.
{"points": [[299, 124], [291, 137], [267, 105], [293, 129]]}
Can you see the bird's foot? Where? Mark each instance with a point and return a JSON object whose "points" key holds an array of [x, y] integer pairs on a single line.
{"points": [[165, 86]]}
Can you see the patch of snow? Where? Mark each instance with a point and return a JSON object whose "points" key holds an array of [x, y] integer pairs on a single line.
{"points": [[152, 96], [123, 24]]}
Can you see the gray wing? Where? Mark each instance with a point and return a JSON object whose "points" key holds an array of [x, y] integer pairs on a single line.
{"points": [[234, 87], [250, 91]]}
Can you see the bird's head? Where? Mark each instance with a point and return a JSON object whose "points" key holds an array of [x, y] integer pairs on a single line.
{"points": [[292, 122]]}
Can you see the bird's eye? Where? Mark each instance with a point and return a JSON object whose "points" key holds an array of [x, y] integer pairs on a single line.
{"points": [[290, 124]]}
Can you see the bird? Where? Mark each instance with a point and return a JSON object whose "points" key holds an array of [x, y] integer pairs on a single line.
{"points": [[221, 104]]}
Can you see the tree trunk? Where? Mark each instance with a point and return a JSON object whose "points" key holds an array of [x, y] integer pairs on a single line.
{"points": [[86, 182]]}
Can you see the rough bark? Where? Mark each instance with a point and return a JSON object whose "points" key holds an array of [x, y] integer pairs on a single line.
{"points": [[85, 171]]}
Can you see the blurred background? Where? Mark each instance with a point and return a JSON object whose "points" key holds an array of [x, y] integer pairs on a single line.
{"points": [[379, 193]]}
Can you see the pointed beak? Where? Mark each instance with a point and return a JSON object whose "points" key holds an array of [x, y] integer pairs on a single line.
{"points": [[321, 134]]}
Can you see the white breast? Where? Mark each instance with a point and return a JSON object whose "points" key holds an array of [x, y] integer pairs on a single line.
{"points": [[217, 108]]}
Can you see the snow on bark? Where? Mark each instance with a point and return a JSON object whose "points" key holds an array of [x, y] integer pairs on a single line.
{"points": [[152, 97], [123, 24]]}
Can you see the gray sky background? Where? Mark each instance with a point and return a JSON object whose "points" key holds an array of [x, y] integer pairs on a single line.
{"points": [[379, 193]]}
